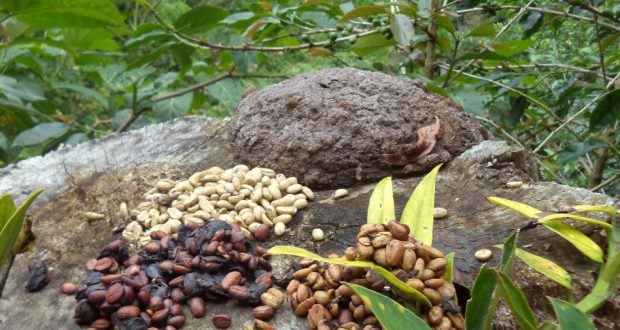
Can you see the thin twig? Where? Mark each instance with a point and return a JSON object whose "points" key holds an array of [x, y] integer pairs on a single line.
{"points": [[594, 10], [577, 114], [157, 98], [542, 65], [606, 182], [540, 10], [499, 34]]}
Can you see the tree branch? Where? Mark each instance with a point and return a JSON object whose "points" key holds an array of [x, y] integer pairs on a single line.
{"points": [[157, 98], [542, 65], [540, 10], [606, 182], [593, 10], [429, 63]]}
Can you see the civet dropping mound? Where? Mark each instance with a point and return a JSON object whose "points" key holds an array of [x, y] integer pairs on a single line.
{"points": [[257, 198]]}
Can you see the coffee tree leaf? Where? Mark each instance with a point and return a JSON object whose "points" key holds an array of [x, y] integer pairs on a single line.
{"points": [[486, 29], [40, 133], [608, 209], [515, 299], [381, 203], [418, 213], [424, 8], [362, 12], [369, 44], [402, 29], [84, 91], [200, 19], [397, 284], [569, 317], [509, 250], [11, 229], [449, 274], [481, 307], [578, 239], [544, 266], [50, 14], [553, 216], [521, 208], [173, 107], [7, 208], [391, 314], [607, 111]]}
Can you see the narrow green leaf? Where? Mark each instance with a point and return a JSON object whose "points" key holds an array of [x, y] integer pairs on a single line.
{"points": [[402, 29], [608, 209], [391, 314], [544, 266], [582, 242], [449, 274], [418, 213], [553, 216], [381, 204], [396, 283], [485, 29], [604, 287], [481, 307], [521, 208], [362, 12], [11, 229], [515, 299], [569, 317], [7, 208], [509, 250]]}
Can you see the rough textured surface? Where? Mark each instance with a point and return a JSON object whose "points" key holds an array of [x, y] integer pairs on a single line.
{"points": [[66, 240], [330, 127]]}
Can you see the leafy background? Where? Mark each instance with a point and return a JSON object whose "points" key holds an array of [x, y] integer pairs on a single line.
{"points": [[541, 74]]}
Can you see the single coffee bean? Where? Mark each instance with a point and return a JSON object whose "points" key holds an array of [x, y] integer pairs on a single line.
{"points": [[176, 321], [221, 321], [115, 292], [197, 307], [127, 312], [263, 312], [68, 288]]}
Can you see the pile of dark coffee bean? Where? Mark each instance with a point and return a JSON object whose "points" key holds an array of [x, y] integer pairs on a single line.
{"points": [[210, 262], [316, 291]]}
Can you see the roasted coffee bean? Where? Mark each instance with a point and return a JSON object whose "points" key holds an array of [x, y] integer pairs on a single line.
{"points": [[241, 293], [103, 264], [176, 321], [100, 324], [176, 309], [232, 278], [435, 315], [221, 321], [68, 288], [304, 306], [84, 313], [197, 307], [160, 316], [398, 230], [345, 316], [126, 312], [263, 312], [114, 294]]}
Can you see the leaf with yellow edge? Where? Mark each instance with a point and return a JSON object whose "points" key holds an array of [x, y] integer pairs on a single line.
{"points": [[381, 204], [521, 208], [599, 223], [418, 213], [319, 51], [608, 209], [397, 284], [582, 242], [391, 314], [544, 266]]}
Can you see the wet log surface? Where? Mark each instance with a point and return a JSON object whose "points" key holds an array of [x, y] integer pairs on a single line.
{"points": [[97, 176]]}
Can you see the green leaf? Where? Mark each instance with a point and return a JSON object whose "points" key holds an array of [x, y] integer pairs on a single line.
{"points": [[582, 242], [509, 250], [84, 91], [515, 299], [513, 47], [608, 209], [402, 29], [531, 23], [200, 19], [544, 266], [575, 150], [599, 223], [424, 8], [173, 108], [517, 109], [362, 12], [391, 314], [7, 208], [11, 230], [484, 55], [49, 14], [397, 284], [607, 111], [40, 134], [369, 44], [445, 23], [381, 203], [236, 17], [23, 88], [604, 287], [521, 208], [486, 29], [449, 274], [481, 307], [418, 213], [569, 317]]}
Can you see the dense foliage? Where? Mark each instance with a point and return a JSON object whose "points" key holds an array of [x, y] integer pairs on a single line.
{"points": [[542, 74]]}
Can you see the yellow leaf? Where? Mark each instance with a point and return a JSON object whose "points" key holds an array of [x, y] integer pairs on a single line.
{"points": [[381, 204], [521, 208], [418, 213], [599, 223], [319, 51]]}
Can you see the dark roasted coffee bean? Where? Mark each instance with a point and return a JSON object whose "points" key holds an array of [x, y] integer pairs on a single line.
{"points": [[221, 321]]}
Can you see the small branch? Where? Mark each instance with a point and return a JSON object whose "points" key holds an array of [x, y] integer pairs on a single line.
{"points": [[429, 63], [542, 65], [137, 112], [606, 182], [593, 10], [540, 10], [577, 114]]}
